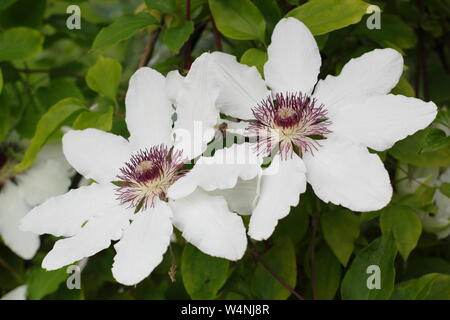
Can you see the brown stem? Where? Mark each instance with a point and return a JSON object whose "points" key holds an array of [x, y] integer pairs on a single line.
{"points": [[149, 48], [312, 258], [217, 37], [11, 270], [256, 255]]}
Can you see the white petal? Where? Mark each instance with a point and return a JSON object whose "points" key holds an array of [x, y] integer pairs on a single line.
{"points": [[241, 86], [346, 174], [19, 293], [220, 171], [143, 244], [242, 198], [96, 154], [149, 111], [44, 180], [174, 85], [52, 151], [374, 73], [64, 215], [196, 109], [294, 58], [207, 223], [280, 191], [13, 208], [95, 236], [381, 121]]}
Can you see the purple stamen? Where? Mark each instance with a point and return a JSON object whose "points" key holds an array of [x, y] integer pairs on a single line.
{"points": [[148, 175], [286, 120]]}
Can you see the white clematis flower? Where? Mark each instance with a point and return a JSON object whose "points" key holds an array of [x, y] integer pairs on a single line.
{"points": [[49, 176], [331, 122], [439, 222], [19, 293], [143, 169]]}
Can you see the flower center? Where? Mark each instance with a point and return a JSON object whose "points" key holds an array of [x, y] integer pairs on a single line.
{"points": [[148, 175], [288, 120]]}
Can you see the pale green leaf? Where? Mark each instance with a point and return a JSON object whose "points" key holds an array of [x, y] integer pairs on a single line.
{"points": [[122, 29], [255, 57], [104, 77], [238, 19], [405, 225], [340, 229], [20, 44], [49, 123], [323, 16], [175, 37]]}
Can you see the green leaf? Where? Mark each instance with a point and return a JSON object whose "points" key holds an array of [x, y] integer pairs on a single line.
{"points": [[404, 88], [432, 286], [328, 274], [57, 90], [27, 43], [409, 151], [394, 33], [49, 123], [435, 139], [323, 16], [101, 118], [24, 13], [255, 57], [238, 19], [1, 80], [203, 275], [270, 11], [281, 259], [445, 188], [404, 224], [295, 225], [42, 282], [122, 29], [381, 252], [104, 77], [164, 6], [6, 3], [175, 37], [340, 229]]}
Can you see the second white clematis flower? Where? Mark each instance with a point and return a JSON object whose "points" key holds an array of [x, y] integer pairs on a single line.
{"points": [[143, 168], [331, 122], [49, 176]]}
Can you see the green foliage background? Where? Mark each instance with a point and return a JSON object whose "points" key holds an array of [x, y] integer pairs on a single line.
{"points": [[50, 76]]}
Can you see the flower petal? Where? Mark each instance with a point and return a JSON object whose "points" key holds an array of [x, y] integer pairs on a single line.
{"points": [[96, 154], [207, 223], [241, 87], [64, 215], [381, 121], [143, 244], [374, 73], [19, 293], [13, 208], [196, 109], [280, 190], [149, 111], [346, 174], [95, 236], [220, 171], [43, 180], [294, 58], [242, 198]]}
